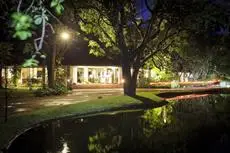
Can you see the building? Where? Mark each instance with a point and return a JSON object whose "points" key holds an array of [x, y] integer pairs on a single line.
{"points": [[82, 69]]}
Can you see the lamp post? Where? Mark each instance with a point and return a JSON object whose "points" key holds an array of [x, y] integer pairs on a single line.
{"points": [[65, 36], [60, 37], [6, 95]]}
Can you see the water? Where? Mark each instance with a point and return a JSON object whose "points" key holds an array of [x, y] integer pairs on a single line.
{"points": [[187, 126]]}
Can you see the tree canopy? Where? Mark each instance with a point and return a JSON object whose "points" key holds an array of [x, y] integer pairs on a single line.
{"points": [[139, 35], [138, 31]]}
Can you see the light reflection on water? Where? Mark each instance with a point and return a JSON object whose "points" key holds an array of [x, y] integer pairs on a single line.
{"points": [[65, 148]]}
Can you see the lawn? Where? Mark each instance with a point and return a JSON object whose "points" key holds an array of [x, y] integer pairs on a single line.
{"points": [[17, 93], [18, 123]]}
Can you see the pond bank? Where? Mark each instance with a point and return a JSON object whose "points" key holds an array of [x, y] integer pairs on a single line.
{"points": [[184, 126], [19, 122]]}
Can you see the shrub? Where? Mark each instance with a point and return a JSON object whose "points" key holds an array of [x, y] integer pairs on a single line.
{"points": [[143, 83], [43, 92], [175, 84], [58, 89]]}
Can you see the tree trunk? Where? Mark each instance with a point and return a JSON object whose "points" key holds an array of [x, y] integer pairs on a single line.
{"points": [[1, 78], [51, 66], [130, 80], [43, 76]]}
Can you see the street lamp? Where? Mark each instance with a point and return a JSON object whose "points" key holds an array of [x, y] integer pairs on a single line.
{"points": [[65, 35]]}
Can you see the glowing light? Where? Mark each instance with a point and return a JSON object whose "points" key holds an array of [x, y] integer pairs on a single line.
{"points": [[68, 80], [21, 110], [65, 148], [189, 83], [190, 96], [65, 35], [122, 80]]}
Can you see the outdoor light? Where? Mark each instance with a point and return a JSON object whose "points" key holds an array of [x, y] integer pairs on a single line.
{"points": [[65, 35], [68, 80], [65, 148], [122, 80], [165, 120]]}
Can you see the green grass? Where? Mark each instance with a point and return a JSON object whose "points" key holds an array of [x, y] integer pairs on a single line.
{"points": [[18, 123], [17, 93]]}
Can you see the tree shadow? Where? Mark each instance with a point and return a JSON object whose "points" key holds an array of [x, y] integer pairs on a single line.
{"points": [[173, 94], [150, 103], [184, 93]]}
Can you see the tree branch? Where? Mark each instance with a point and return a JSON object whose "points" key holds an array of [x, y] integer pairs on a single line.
{"points": [[106, 34], [19, 5], [146, 41], [54, 17], [155, 52], [31, 4], [138, 29]]}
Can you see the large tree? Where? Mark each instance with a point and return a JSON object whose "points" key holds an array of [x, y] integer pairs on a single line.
{"points": [[135, 33]]}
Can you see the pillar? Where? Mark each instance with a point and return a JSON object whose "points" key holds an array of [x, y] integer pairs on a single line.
{"points": [[86, 73], [114, 75], [119, 75], [74, 74]]}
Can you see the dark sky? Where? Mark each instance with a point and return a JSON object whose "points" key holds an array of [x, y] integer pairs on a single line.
{"points": [[143, 11]]}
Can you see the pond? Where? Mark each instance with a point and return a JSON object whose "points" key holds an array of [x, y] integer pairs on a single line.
{"points": [[199, 125]]}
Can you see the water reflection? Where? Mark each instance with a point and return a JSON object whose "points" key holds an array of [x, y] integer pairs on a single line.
{"points": [[104, 141], [185, 126], [65, 148]]}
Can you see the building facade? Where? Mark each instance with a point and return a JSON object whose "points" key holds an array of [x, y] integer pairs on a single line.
{"points": [[76, 75]]}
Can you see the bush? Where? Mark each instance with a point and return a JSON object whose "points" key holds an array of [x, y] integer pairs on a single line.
{"points": [[143, 83], [58, 89], [43, 92], [175, 84]]}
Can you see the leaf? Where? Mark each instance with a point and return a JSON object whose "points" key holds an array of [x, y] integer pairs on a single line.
{"points": [[22, 35], [30, 63], [33, 56], [37, 16], [38, 21], [16, 15], [38, 53], [59, 8], [43, 56], [18, 26], [24, 18], [46, 18], [53, 3]]}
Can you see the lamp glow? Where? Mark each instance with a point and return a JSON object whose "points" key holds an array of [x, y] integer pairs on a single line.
{"points": [[65, 35]]}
